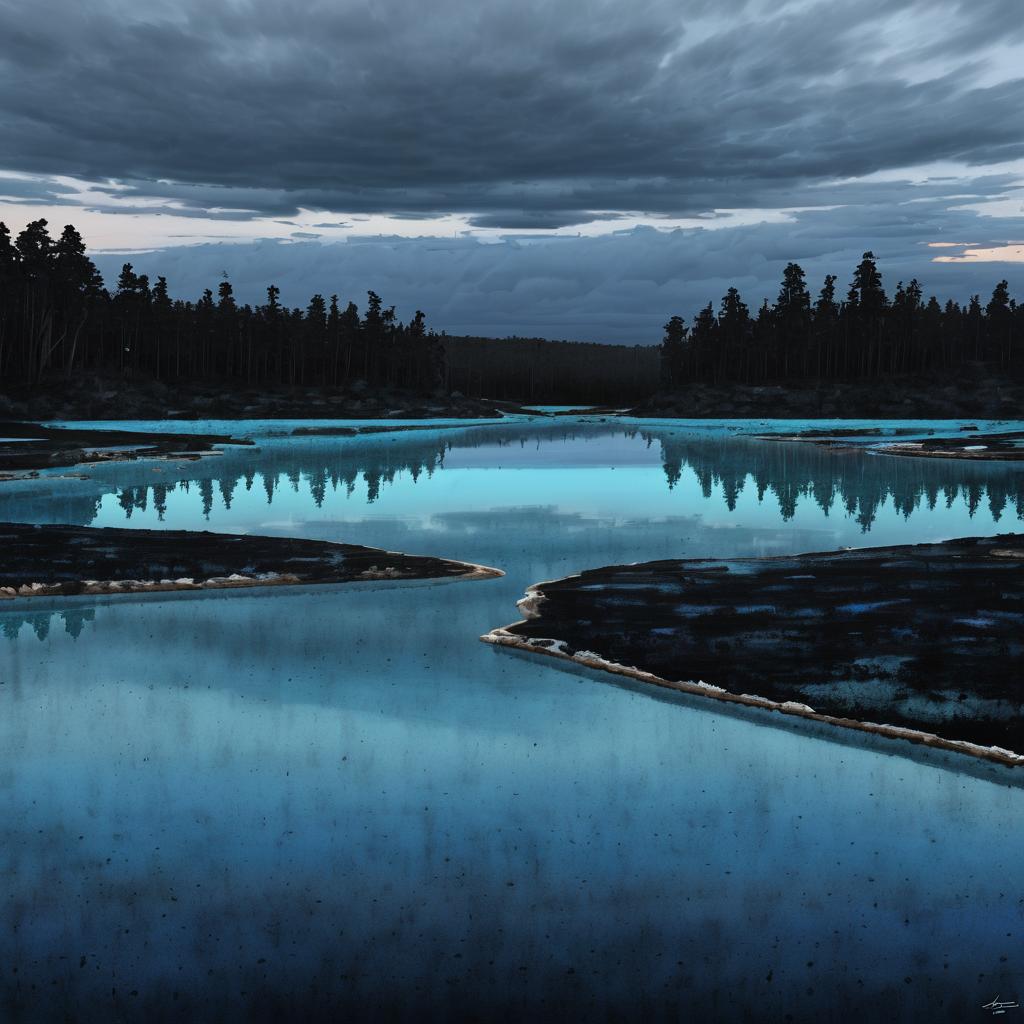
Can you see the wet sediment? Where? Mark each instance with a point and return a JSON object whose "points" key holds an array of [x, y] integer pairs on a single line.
{"points": [[26, 448], [44, 561], [968, 445], [922, 642]]}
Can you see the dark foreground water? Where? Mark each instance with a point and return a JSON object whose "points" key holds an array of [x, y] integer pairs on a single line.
{"points": [[336, 803]]}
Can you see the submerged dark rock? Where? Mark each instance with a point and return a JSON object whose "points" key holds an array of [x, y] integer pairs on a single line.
{"points": [[921, 642], [38, 561], [29, 447]]}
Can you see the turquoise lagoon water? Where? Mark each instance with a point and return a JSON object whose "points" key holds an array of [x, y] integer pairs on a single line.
{"points": [[336, 803]]}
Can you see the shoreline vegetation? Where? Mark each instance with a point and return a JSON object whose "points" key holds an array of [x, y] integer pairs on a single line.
{"points": [[862, 639], [48, 561], [70, 348]]}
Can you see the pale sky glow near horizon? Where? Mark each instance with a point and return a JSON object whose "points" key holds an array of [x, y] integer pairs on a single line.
{"points": [[579, 170]]}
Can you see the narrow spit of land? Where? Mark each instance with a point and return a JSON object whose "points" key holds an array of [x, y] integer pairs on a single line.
{"points": [[971, 446], [921, 642], [44, 561], [26, 448]]}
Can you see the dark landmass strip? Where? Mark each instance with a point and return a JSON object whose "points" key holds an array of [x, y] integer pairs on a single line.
{"points": [[363, 431], [830, 437], [396, 428], [972, 393], [42, 561], [1005, 446], [29, 447], [109, 396], [920, 642]]}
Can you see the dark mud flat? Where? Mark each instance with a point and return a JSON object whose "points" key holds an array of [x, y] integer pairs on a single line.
{"points": [[825, 438], [924, 642], [29, 447], [42, 561], [1006, 446], [361, 431]]}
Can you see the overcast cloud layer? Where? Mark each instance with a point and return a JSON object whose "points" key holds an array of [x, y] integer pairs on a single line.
{"points": [[613, 287], [319, 120]]}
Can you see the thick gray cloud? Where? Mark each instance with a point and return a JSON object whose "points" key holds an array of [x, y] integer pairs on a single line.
{"points": [[614, 287], [516, 113]]}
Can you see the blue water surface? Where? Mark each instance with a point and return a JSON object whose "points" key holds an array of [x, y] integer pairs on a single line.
{"points": [[336, 803]]}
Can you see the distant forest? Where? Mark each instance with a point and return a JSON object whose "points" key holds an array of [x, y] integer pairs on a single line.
{"points": [[864, 335], [57, 318], [536, 371], [55, 315]]}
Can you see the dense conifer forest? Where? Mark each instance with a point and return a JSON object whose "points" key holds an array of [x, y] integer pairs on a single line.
{"points": [[57, 319], [56, 316], [865, 335]]}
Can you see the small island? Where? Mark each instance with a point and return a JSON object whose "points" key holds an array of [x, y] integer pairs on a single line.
{"points": [[45, 561]]}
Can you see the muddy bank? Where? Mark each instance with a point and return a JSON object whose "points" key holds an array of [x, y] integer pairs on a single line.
{"points": [[106, 396], [1008, 447], [1005, 446], [42, 561], [26, 448], [975, 393], [377, 429], [923, 642]]}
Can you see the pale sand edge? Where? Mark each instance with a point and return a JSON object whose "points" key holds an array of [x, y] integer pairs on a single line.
{"points": [[237, 580], [503, 638]]}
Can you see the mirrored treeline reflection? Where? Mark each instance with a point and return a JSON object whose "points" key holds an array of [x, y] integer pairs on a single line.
{"points": [[858, 483], [726, 468]]}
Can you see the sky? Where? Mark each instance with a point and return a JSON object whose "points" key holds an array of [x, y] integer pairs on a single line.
{"points": [[580, 169]]}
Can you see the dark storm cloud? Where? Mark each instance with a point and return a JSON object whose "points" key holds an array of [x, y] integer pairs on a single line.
{"points": [[518, 113]]}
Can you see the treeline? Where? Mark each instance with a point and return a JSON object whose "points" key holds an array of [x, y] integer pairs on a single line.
{"points": [[864, 335], [57, 316], [535, 371]]}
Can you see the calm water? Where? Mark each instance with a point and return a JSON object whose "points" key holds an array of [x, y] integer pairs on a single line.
{"points": [[292, 804]]}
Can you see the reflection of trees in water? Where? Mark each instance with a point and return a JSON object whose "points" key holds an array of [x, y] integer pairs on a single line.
{"points": [[331, 470], [41, 623], [321, 472], [860, 483]]}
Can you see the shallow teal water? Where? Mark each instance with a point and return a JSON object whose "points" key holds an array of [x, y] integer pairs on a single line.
{"points": [[321, 800]]}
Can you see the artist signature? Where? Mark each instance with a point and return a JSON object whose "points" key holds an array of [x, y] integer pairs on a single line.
{"points": [[998, 1005]]}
